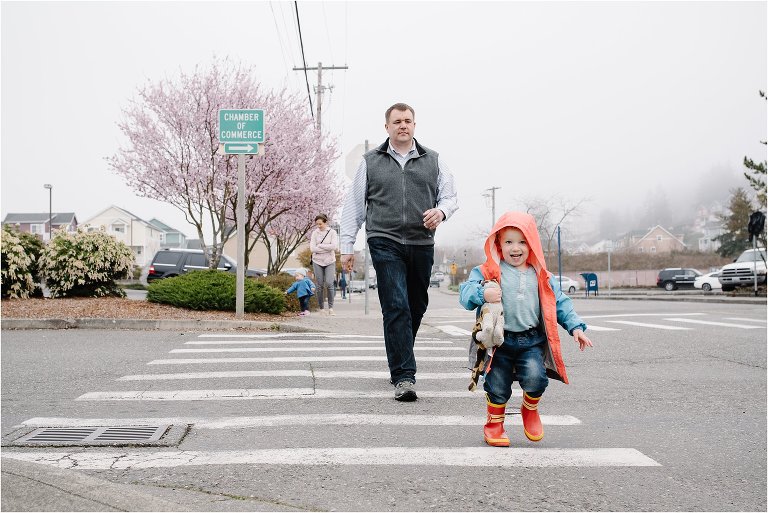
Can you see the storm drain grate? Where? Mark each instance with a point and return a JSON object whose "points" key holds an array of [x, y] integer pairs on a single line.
{"points": [[79, 435]]}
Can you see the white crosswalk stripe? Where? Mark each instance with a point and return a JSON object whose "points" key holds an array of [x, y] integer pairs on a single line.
{"points": [[303, 349], [343, 419], [278, 359], [419, 456], [454, 330], [289, 373], [714, 323], [650, 325], [746, 319], [419, 342], [257, 393]]}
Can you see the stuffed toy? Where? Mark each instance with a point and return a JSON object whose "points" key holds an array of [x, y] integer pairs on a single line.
{"points": [[487, 333]]}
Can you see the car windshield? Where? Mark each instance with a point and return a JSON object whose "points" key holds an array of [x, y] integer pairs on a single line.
{"points": [[749, 256]]}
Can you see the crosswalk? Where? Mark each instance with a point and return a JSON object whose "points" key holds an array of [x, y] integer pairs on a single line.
{"points": [[665, 321], [284, 378]]}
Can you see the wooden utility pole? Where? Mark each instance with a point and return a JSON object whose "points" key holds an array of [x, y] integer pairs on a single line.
{"points": [[320, 87]]}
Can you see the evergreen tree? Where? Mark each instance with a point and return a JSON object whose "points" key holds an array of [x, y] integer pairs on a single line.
{"points": [[756, 175], [736, 238]]}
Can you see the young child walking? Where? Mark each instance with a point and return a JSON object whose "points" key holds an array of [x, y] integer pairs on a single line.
{"points": [[304, 288], [533, 306]]}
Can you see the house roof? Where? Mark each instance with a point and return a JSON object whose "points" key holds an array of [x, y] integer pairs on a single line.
{"points": [[58, 218], [659, 227], [164, 227], [130, 215]]}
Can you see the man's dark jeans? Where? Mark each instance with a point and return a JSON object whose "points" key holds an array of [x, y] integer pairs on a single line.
{"points": [[402, 275]]}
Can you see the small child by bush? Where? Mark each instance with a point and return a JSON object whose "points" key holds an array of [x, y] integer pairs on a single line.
{"points": [[304, 288]]}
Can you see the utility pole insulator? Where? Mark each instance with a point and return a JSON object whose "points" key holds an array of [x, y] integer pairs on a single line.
{"points": [[320, 87]]}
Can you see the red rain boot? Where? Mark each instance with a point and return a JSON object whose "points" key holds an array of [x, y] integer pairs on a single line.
{"points": [[531, 421], [494, 427]]}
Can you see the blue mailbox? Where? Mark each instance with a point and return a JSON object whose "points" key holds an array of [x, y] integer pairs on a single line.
{"points": [[590, 282]]}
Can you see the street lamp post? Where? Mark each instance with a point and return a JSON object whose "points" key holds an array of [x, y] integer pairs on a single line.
{"points": [[50, 210]]}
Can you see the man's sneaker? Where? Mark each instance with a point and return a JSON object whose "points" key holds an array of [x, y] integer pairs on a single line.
{"points": [[405, 391], [330, 311]]}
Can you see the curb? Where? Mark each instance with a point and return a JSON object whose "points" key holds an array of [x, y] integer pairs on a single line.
{"points": [[148, 324]]}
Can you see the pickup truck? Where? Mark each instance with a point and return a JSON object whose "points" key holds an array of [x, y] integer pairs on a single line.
{"points": [[741, 273]]}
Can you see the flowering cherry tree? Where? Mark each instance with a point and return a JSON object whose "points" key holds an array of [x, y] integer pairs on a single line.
{"points": [[172, 152], [290, 183]]}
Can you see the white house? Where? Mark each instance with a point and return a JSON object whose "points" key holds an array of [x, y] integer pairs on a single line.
{"points": [[142, 237]]}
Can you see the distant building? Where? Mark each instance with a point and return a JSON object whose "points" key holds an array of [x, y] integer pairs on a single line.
{"points": [[40, 224], [656, 240], [169, 237], [141, 236]]}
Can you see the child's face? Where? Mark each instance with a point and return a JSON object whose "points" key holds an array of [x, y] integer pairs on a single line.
{"points": [[298, 277], [514, 247]]}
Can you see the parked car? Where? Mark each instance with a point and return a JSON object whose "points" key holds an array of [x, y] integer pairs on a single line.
{"points": [[357, 286], [568, 285], [707, 282], [741, 273], [434, 281], [674, 278], [171, 262]]}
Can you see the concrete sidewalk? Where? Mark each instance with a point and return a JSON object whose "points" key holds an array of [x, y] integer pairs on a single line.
{"points": [[35, 487]]}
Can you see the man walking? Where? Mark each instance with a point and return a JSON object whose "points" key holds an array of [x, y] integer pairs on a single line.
{"points": [[402, 191]]}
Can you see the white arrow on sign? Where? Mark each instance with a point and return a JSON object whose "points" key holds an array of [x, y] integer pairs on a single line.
{"points": [[240, 148]]}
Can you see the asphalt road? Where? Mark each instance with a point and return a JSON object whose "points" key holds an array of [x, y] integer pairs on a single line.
{"points": [[665, 413]]}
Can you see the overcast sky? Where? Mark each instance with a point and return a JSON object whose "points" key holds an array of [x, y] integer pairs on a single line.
{"points": [[606, 101]]}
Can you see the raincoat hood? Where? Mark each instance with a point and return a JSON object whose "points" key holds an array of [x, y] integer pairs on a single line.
{"points": [[526, 224]]}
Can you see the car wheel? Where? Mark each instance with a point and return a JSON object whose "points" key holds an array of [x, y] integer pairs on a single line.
{"points": [[669, 286], [571, 290], [706, 287]]}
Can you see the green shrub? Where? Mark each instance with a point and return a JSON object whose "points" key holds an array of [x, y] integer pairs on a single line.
{"points": [[85, 264], [19, 264], [281, 282], [215, 290]]}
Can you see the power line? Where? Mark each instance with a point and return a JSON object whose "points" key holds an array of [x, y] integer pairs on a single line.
{"points": [[303, 58]]}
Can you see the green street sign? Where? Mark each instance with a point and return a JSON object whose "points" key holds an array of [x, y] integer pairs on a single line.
{"points": [[247, 148], [241, 126]]}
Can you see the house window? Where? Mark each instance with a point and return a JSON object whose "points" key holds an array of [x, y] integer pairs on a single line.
{"points": [[37, 228], [118, 228], [641, 249], [658, 237], [653, 249], [93, 229]]}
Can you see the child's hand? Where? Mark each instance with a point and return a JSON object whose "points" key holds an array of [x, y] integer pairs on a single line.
{"points": [[581, 339], [492, 295]]}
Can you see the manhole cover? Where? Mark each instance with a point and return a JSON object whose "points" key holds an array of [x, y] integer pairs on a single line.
{"points": [[94, 435]]}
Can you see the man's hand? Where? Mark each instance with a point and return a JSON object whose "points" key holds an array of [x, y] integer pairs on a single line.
{"points": [[581, 339], [433, 217], [347, 262]]}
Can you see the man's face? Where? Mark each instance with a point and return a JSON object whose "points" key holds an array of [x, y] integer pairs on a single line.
{"points": [[401, 126]]}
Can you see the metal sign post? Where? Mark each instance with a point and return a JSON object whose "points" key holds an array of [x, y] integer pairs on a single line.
{"points": [[240, 132]]}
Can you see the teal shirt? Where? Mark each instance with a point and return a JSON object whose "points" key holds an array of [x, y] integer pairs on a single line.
{"points": [[520, 298]]}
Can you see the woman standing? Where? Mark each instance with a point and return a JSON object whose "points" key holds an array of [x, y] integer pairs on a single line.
{"points": [[323, 244]]}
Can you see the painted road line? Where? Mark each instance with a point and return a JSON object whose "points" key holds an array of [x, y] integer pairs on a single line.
{"points": [[454, 330], [592, 327], [338, 456], [286, 335], [713, 323], [289, 373], [636, 315], [302, 349], [763, 321], [648, 325], [310, 341], [293, 359], [256, 393], [297, 420]]}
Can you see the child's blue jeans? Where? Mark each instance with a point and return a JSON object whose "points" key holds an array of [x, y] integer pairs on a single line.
{"points": [[304, 302], [520, 358]]}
